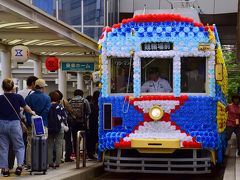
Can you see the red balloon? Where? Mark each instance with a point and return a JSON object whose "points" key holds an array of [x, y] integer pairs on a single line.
{"points": [[52, 63]]}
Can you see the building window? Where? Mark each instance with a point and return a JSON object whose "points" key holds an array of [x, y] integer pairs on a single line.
{"points": [[156, 75], [75, 4], [193, 75], [121, 78]]}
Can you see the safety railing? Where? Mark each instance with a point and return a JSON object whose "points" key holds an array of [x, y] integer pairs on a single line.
{"points": [[81, 150]]}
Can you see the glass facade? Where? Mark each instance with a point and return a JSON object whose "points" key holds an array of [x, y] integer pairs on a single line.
{"points": [[96, 13], [47, 5]]}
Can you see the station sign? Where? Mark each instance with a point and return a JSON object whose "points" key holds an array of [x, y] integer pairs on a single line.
{"points": [[157, 46], [77, 66]]}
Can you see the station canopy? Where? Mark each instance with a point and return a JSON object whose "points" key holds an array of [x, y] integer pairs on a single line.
{"points": [[23, 23]]}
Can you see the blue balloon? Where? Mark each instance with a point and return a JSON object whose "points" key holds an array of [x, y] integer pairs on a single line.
{"points": [[168, 29]]}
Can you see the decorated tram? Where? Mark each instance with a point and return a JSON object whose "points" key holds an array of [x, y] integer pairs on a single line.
{"points": [[163, 95]]}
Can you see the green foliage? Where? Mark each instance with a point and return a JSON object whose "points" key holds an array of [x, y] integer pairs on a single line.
{"points": [[233, 73]]}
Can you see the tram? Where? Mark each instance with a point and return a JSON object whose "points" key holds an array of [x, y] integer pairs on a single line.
{"points": [[163, 95]]}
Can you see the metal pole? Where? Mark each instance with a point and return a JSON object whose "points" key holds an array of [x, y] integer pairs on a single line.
{"points": [[81, 136], [107, 13], [57, 9], [82, 16], [84, 148], [104, 9], [78, 150], [118, 13]]}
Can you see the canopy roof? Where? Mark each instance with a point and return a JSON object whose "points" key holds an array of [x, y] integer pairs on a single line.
{"points": [[23, 23]]}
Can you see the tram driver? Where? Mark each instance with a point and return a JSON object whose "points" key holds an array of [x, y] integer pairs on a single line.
{"points": [[155, 83]]}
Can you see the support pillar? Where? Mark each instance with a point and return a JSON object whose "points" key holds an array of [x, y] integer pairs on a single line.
{"points": [[5, 65], [38, 68], [91, 90], [80, 81], [20, 84], [5, 59], [62, 82]]}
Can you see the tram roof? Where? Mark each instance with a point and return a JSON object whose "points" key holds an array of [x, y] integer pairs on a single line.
{"points": [[23, 23], [185, 12]]}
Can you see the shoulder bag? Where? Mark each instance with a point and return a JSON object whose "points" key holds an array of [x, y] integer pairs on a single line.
{"points": [[24, 128]]}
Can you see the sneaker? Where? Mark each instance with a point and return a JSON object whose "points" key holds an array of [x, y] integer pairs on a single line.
{"points": [[18, 171], [27, 167], [5, 173]]}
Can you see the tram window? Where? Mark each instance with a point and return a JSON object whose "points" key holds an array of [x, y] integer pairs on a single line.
{"points": [[193, 75], [156, 75], [121, 77]]}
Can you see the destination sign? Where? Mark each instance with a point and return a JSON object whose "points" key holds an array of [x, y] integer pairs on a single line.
{"points": [[157, 46]]}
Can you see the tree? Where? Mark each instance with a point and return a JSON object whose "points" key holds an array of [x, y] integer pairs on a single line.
{"points": [[233, 73]]}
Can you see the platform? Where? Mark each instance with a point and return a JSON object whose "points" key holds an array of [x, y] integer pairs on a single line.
{"points": [[233, 162], [65, 171]]}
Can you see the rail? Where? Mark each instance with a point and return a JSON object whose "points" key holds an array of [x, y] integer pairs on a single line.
{"points": [[81, 152]]}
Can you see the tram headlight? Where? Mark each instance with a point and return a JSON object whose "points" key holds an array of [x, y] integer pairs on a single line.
{"points": [[156, 113]]}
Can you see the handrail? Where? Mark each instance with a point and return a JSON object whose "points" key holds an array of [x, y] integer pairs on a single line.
{"points": [[81, 137]]}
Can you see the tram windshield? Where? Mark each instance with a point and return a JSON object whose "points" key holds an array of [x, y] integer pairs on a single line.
{"points": [[121, 75], [193, 75], [156, 75]]}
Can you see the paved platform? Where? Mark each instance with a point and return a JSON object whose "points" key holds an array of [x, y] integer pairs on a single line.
{"points": [[233, 162], [67, 171]]}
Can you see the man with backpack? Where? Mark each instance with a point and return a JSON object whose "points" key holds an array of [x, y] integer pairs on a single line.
{"points": [[79, 115]]}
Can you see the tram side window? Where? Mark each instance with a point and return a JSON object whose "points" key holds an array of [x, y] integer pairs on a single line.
{"points": [[193, 75], [156, 75], [121, 77]]}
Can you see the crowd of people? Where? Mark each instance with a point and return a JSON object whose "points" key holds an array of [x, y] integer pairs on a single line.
{"points": [[62, 120]]}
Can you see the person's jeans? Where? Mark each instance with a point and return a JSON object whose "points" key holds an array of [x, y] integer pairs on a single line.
{"points": [[236, 130], [11, 131], [68, 144], [57, 140]]}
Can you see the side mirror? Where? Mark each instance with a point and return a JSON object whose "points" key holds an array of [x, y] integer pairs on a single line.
{"points": [[219, 72]]}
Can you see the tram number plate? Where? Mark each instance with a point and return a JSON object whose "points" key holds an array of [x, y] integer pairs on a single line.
{"points": [[157, 46], [204, 47]]}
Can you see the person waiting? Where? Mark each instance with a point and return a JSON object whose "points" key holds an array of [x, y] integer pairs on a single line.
{"points": [[10, 126], [233, 124]]}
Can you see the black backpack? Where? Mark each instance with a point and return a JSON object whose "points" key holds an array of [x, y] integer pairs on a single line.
{"points": [[54, 124], [78, 110]]}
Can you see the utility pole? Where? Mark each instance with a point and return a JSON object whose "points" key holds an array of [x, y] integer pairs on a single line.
{"points": [[238, 34]]}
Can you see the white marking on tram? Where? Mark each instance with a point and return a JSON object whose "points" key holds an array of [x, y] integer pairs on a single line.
{"points": [[166, 105]]}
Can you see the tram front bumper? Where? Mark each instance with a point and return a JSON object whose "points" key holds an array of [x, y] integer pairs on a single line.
{"points": [[156, 145]]}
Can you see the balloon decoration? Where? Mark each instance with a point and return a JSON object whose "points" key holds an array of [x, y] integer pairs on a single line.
{"points": [[20, 53], [198, 121], [52, 63]]}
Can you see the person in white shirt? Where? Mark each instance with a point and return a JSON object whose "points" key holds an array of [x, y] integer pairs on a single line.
{"points": [[155, 83], [28, 135], [30, 87]]}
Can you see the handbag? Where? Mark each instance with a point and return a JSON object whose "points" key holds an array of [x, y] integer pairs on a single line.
{"points": [[24, 128]]}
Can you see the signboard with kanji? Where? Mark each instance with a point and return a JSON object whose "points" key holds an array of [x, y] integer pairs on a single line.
{"points": [[77, 66], [157, 46]]}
